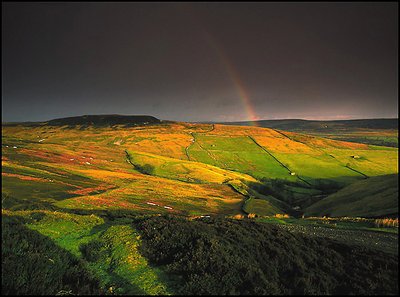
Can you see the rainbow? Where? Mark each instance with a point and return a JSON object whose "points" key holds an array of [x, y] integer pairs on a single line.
{"points": [[226, 63], [238, 83], [234, 76]]}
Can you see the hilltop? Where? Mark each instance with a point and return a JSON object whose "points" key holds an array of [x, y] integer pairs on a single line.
{"points": [[94, 120], [320, 125]]}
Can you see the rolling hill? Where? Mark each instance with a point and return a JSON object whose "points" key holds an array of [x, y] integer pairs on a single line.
{"points": [[130, 205], [106, 120], [374, 197], [317, 125], [97, 162]]}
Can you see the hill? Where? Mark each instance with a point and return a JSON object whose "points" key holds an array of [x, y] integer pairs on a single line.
{"points": [[94, 120], [104, 120], [370, 131], [179, 167], [373, 197], [316, 125], [177, 208]]}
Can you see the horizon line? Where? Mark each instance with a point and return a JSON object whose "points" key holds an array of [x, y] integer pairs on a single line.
{"points": [[208, 121]]}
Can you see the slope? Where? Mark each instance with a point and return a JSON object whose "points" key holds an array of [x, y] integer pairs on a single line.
{"points": [[373, 197], [198, 168]]}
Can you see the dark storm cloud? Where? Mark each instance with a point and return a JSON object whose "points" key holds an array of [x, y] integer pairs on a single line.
{"points": [[295, 60]]}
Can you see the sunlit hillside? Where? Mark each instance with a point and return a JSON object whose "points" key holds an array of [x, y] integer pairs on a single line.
{"points": [[179, 167], [101, 207]]}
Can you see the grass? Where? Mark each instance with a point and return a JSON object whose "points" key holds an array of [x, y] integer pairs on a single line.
{"points": [[119, 266], [33, 264], [239, 154], [260, 207], [92, 171], [77, 191], [372, 197], [343, 223], [316, 167], [192, 172]]}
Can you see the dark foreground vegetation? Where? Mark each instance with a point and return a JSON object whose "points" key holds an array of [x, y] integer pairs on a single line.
{"points": [[202, 256], [244, 257], [32, 264]]}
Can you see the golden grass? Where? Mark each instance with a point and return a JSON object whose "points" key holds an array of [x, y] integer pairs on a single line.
{"points": [[107, 174], [24, 177], [188, 170], [180, 196], [66, 152], [279, 143]]}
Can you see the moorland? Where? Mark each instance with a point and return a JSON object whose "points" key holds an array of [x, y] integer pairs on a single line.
{"points": [[136, 205]]}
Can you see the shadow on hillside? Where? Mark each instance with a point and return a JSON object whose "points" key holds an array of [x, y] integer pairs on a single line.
{"points": [[291, 196], [34, 264]]}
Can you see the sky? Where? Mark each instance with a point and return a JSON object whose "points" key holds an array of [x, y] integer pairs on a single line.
{"points": [[200, 61]]}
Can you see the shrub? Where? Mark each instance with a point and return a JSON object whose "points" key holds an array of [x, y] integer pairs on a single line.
{"points": [[92, 251], [228, 256], [145, 169], [34, 265]]}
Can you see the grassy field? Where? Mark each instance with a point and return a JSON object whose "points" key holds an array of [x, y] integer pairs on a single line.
{"points": [[78, 191], [374, 197], [110, 249], [195, 168]]}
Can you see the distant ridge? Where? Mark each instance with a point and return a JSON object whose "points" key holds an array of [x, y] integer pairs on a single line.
{"points": [[369, 131], [317, 125], [96, 120]]}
